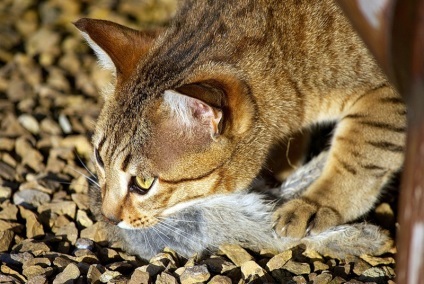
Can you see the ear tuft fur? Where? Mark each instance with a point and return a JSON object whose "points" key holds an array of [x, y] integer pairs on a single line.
{"points": [[191, 112]]}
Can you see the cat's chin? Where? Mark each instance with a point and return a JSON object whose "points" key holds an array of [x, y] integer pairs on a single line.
{"points": [[126, 226]]}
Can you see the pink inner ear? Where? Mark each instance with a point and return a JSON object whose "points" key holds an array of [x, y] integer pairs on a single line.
{"points": [[207, 113]]}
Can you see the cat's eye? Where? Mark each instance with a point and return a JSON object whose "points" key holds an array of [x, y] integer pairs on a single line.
{"points": [[98, 158], [141, 185]]}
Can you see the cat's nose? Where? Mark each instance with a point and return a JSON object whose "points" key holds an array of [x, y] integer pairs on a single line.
{"points": [[111, 219]]}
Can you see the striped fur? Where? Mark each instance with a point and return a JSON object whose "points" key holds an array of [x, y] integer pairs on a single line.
{"points": [[262, 70]]}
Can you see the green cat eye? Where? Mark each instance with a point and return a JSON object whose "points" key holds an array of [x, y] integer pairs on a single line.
{"points": [[143, 182], [141, 185]]}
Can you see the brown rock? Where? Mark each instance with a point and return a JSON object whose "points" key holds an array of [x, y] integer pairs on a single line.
{"points": [[323, 278], [140, 277], [279, 260], [81, 200], [319, 266], [5, 192], [218, 265], [166, 278], [29, 155], [96, 233], [7, 144], [195, 274], [251, 269], [108, 276], [94, 273], [35, 247], [33, 227], [35, 270], [70, 273], [83, 219], [6, 239], [69, 231], [236, 254], [375, 261], [29, 123], [68, 208], [297, 267], [39, 279], [9, 212], [220, 279]]}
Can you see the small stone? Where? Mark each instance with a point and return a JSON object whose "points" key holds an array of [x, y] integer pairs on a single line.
{"points": [[35, 270], [5, 192], [83, 219], [107, 276], [236, 254], [218, 265], [338, 280], [83, 243], [69, 231], [35, 247], [70, 273], [97, 233], [41, 261], [319, 266], [166, 278], [251, 268], [36, 185], [81, 144], [30, 198], [94, 273], [372, 273], [152, 269], [7, 144], [195, 274], [9, 212], [6, 239], [68, 208], [8, 225], [81, 200], [65, 124], [360, 266], [33, 226], [139, 277], [29, 123], [39, 279], [279, 260], [220, 279], [79, 185], [375, 261], [30, 156], [323, 278], [297, 267], [300, 280]]}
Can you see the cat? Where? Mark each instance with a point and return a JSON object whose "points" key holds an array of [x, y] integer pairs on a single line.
{"points": [[198, 106], [243, 218]]}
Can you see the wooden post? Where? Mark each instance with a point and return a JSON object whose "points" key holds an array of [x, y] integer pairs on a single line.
{"points": [[397, 41]]}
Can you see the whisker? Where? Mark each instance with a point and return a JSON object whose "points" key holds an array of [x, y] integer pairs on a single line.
{"points": [[83, 164], [182, 233], [180, 220], [86, 176]]}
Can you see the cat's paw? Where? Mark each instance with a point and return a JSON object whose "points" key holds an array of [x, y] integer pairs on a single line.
{"points": [[299, 218]]}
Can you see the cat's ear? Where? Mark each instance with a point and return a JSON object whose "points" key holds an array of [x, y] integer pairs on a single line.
{"points": [[193, 114], [117, 47]]}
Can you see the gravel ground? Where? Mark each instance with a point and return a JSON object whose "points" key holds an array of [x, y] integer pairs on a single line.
{"points": [[49, 86]]}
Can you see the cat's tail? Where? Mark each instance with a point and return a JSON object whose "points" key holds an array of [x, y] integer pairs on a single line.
{"points": [[351, 239]]}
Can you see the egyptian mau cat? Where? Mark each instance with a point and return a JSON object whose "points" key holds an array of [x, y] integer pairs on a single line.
{"points": [[197, 107]]}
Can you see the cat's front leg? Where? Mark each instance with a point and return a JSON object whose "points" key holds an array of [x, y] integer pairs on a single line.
{"points": [[367, 149]]}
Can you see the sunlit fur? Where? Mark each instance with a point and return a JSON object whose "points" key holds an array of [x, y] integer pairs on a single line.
{"points": [[271, 68]]}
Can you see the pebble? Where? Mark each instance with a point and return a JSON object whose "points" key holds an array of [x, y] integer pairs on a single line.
{"points": [[6, 239], [279, 260], [195, 274], [69, 274], [29, 123], [237, 254], [30, 198]]}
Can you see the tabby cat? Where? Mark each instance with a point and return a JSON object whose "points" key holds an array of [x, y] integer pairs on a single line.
{"points": [[198, 106]]}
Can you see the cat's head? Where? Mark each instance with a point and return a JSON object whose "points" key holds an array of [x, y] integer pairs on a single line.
{"points": [[167, 136]]}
